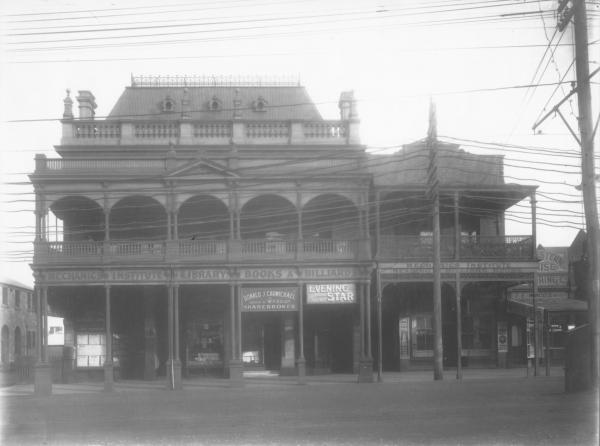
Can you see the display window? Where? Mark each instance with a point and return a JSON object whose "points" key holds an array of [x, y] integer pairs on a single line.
{"points": [[204, 346]]}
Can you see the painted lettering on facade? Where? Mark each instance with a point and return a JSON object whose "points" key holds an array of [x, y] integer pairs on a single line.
{"points": [[268, 274], [137, 276], [74, 276], [270, 299], [330, 293], [451, 267], [200, 275], [328, 273]]}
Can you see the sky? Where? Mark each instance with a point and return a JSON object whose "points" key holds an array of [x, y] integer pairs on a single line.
{"points": [[491, 67]]}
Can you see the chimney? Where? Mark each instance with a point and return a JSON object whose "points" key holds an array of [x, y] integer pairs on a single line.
{"points": [[87, 104], [347, 106]]}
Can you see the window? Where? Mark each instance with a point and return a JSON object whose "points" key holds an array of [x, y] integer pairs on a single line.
{"points": [[214, 104], [168, 105], [18, 299], [30, 301], [4, 353], [260, 105], [91, 349], [5, 295], [30, 342], [18, 342]]}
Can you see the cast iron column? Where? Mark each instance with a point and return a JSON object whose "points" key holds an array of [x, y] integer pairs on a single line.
{"points": [[235, 363], [42, 371], [108, 358], [301, 363]]}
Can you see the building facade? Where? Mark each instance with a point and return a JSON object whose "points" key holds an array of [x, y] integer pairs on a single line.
{"points": [[212, 227], [18, 326]]}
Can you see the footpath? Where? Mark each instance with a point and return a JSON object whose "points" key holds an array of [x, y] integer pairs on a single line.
{"points": [[495, 407]]}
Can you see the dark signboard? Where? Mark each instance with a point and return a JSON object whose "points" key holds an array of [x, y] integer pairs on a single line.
{"points": [[270, 299]]}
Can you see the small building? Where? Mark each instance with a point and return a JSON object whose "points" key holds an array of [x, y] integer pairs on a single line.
{"points": [[557, 308], [18, 324]]}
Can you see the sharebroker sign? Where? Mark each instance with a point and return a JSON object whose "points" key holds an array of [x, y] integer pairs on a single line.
{"points": [[330, 293], [270, 299]]}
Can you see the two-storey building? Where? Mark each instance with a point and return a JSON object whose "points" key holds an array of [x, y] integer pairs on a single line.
{"points": [[216, 226]]}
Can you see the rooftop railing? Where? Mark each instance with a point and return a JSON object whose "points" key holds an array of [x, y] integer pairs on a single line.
{"points": [[111, 132]]}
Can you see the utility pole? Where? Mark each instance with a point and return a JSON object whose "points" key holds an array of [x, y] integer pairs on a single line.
{"points": [[576, 9], [433, 194]]}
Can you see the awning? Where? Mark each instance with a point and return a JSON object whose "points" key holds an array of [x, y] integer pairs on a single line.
{"points": [[521, 303]]}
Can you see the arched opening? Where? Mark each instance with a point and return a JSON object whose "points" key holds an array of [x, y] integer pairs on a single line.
{"points": [[138, 218], [5, 343], [74, 219], [269, 216], [330, 216], [18, 350], [203, 218]]}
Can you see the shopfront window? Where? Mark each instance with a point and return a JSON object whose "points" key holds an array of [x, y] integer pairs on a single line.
{"points": [[91, 349], [422, 336], [477, 331], [204, 344]]}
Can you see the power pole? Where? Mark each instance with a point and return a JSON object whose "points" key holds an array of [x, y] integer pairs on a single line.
{"points": [[576, 9], [433, 194]]}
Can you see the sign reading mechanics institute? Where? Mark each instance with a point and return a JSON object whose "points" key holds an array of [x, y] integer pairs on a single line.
{"points": [[270, 299], [471, 268]]}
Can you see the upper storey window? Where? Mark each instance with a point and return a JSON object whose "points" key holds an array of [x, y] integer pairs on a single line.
{"points": [[214, 104], [260, 105]]}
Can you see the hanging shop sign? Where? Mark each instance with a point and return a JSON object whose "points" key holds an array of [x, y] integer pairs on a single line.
{"points": [[330, 293], [270, 299]]}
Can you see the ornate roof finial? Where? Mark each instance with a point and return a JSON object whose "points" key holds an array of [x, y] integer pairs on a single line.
{"points": [[68, 106]]}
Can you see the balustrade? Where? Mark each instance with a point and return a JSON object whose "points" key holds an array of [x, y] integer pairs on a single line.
{"points": [[267, 130], [159, 130], [324, 130], [477, 247], [97, 130], [212, 130], [97, 252], [145, 132]]}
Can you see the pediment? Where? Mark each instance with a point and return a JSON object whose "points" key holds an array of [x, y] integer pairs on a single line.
{"points": [[201, 168]]}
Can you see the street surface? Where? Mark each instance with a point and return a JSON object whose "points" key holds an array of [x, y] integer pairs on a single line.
{"points": [[486, 408]]}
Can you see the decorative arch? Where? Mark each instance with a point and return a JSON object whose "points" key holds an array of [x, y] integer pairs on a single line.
{"points": [[203, 217], [76, 217], [268, 216], [331, 216], [138, 217]]}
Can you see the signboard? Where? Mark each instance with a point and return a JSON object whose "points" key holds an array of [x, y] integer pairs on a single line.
{"points": [[462, 267], [530, 339], [502, 330], [403, 334], [330, 293], [201, 275], [270, 299]]}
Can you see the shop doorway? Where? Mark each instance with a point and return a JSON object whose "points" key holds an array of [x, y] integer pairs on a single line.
{"points": [[261, 340]]}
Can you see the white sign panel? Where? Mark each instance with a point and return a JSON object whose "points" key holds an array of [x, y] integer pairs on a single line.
{"points": [[330, 293]]}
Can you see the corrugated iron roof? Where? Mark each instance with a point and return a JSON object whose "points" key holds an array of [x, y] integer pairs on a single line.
{"points": [[280, 103], [455, 166]]}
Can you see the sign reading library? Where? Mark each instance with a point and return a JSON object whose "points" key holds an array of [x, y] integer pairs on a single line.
{"points": [[270, 299], [330, 293]]}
